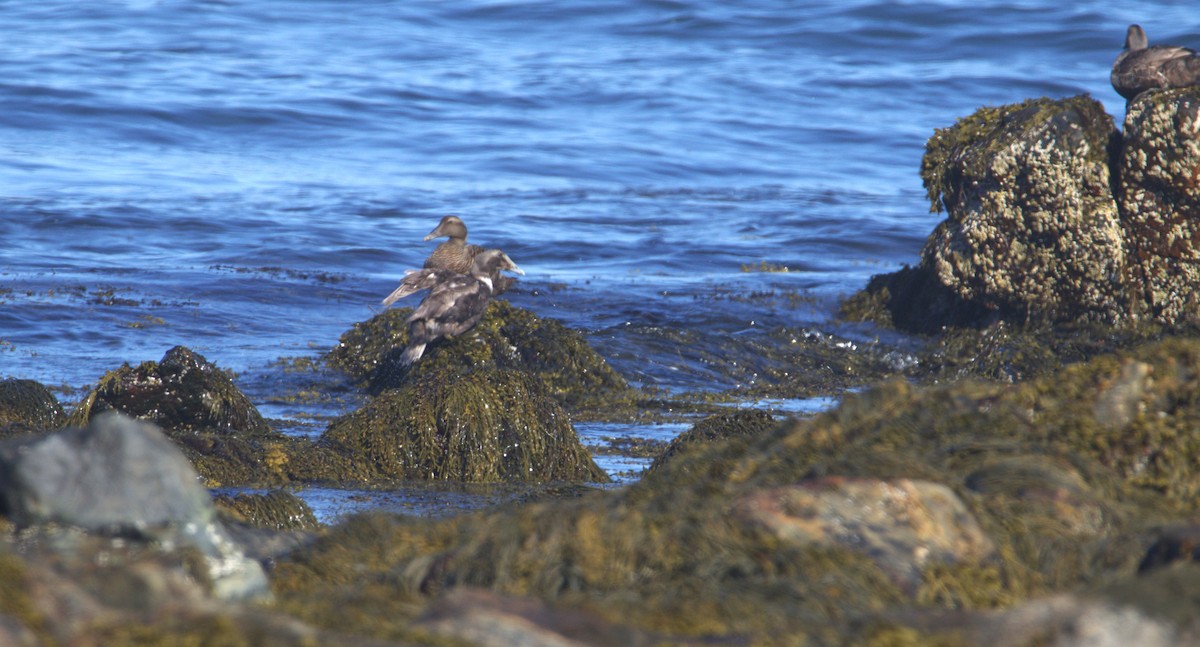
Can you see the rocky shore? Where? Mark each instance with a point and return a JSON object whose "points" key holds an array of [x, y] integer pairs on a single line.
{"points": [[1030, 479]]}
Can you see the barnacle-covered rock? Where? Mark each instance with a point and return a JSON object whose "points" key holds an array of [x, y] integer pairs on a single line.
{"points": [[1159, 190], [1032, 228]]}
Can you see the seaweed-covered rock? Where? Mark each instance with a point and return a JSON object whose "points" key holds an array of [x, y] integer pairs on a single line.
{"points": [[506, 338], [1032, 227], [182, 392], [28, 405], [478, 426], [742, 423], [277, 510], [1159, 192], [1065, 476]]}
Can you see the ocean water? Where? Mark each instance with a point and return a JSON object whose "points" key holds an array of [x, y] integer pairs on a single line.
{"points": [[250, 178]]}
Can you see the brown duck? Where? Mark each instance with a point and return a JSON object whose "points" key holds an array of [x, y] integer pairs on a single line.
{"points": [[1139, 67], [456, 255], [455, 302]]}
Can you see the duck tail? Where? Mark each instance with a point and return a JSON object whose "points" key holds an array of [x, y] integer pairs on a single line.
{"points": [[412, 354]]}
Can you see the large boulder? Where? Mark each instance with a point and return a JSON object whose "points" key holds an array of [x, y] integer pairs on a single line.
{"points": [[1159, 192], [1032, 227]]}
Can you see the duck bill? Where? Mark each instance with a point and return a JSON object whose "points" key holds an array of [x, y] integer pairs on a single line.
{"points": [[512, 267], [437, 232]]}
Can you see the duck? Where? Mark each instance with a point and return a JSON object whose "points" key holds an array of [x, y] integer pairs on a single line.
{"points": [[1139, 67], [456, 254], [455, 303]]}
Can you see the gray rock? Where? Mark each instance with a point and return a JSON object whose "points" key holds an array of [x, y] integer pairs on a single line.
{"points": [[121, 475]]}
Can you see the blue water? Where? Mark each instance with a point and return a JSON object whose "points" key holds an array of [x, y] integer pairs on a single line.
{"points": [[250, 178]]}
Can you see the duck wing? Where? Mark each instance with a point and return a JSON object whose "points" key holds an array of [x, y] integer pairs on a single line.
{"points": [[417, 280]]}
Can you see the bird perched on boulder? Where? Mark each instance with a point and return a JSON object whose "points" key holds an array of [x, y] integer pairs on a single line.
{"points": [[455, 302], [1139, 67], [456, 255]]}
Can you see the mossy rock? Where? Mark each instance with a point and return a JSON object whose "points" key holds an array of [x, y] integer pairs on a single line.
{"points": [[483, 425], [27, 406], [739, 424], [182, 392], [276, 510], [1066, 474], [506, 338]]}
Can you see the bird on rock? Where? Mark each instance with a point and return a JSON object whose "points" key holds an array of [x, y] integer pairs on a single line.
{"points": [[1140, 67], [455, 302], [456, 255]]}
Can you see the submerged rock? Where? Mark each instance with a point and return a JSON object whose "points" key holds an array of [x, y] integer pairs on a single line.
{"points": [[182, 392], [1159, 191], [26, 405], [120, 475], [477, 426]]}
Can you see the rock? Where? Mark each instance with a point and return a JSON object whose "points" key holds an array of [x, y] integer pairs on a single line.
{"points": [[1159, 192], [902, 524], [277, 510], [182, 393], [1158, 611], [481, 426], [1174, 544], [485, 619], [1032, 227], [506, 338], [743, 423], [26, 405], [120, 475]]}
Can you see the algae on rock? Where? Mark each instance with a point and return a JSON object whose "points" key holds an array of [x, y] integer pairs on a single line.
{"points": [[506, 338], [474, 426]]}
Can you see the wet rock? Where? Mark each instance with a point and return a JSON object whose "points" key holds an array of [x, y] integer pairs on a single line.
{"points": [[478, 426], [744, 423], [25, 406], [483, 618], [181, 393], [1159, 192], [506, 338], [122, 476], [902, 524]]}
